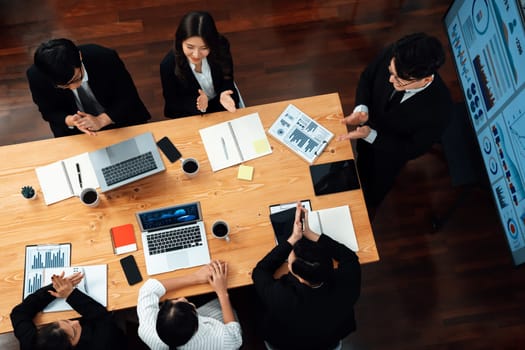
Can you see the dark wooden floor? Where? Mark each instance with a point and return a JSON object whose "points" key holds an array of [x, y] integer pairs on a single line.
{"points": [[454, 289]]}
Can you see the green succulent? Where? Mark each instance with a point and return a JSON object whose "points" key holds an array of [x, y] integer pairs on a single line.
{"points": [[28, 191]]}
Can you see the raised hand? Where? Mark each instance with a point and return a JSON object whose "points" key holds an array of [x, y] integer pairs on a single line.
{"points": [[227, 101], [202, 101]]}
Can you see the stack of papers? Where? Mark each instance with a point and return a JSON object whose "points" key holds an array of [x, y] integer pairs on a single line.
{"points": [[303, 135]]}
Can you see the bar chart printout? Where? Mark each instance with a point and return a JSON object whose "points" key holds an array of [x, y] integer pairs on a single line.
{"points": [[40, 257]]}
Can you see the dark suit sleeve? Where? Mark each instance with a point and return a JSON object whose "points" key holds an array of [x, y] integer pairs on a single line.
{"points": [[263, 272], [421, 120], [86, 306], [113, 86], [23, 314], [348, 271], [365, 88], [54, 104], [180, 97]]}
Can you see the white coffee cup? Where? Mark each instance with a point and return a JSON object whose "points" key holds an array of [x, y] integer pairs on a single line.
{"points": [[190, 166], [89, 196], [221, 230]]}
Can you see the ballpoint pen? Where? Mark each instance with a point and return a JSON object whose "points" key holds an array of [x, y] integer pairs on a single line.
{"points": [[79, 176], [224, 148]]}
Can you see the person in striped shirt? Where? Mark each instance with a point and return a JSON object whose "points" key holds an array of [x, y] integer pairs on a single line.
{"points": [[178, 323]]}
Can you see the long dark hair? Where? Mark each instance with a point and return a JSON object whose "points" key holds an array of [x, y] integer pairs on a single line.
{"points": [[52, 337], [177, 322], [197, 23]]}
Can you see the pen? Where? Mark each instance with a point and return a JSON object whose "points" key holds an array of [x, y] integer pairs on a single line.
{"points": [[79, 176], [224, 148]]}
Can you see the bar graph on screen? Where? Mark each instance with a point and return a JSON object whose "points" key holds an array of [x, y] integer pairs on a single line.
{"points": [[41, 257]]}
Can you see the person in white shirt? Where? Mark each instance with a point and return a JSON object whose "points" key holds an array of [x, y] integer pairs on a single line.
{"points": [[197, 73], [178, 324]]}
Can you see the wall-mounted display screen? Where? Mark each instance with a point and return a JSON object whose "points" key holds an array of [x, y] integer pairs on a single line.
{"points": [[487, 41]]}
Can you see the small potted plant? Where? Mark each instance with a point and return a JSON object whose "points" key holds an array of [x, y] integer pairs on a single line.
{"points": [[28, 192]]}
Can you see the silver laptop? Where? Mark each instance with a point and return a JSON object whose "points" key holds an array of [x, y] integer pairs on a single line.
{"points": [[173, 238], [126, 161]]}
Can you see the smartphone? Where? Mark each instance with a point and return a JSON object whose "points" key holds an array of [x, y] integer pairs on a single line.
{"points": [[169, 149], [131, 270]]}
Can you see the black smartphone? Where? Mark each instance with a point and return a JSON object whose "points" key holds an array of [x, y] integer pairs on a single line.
{"points": [[334, 177], [169, 149], [131, 270]]}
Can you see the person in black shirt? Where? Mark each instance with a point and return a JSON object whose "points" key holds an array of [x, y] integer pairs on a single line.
{"points": [[95, 330], [312, 306]]}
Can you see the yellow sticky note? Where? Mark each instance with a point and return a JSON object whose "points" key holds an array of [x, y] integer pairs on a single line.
{"points": [[245, 173], [261, 146]]}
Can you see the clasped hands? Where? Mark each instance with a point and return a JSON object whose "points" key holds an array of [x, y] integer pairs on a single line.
{"points": [[226, 101], [360, 131], [301, 228], [88, 123], [216, 274], [64, 285]]}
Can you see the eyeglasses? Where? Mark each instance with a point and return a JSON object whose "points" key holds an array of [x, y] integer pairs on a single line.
{"points": [[399, 81], [72, 81]]}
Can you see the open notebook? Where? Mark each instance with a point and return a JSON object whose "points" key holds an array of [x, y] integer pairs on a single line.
{"points": [[235, 141]]}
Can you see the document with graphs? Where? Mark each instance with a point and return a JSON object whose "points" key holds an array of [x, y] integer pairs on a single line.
{"points": [[300, 133]]}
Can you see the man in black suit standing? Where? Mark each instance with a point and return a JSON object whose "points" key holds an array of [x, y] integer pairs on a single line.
{"points": [[402, 108], [83, 89]]}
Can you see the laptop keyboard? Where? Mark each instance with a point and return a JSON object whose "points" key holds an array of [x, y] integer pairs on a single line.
{"points": [[129, 168], [176, 239]]}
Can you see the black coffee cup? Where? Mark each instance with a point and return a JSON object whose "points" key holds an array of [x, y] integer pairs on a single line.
{"points": [[89, 197], [190, 166], [221, 230]]}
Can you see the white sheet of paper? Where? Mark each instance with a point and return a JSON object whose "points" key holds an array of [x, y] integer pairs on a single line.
{"points": [[335, 222], [93, 284]]}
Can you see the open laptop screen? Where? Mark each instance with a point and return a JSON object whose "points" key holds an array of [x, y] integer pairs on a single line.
{"points": [[169, 216]]}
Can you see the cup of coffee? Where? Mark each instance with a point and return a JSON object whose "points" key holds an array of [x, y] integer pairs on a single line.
{"points": [[190, 166], [221, 230], [89, 197]]}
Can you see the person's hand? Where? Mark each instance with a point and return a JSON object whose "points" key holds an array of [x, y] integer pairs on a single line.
{"points": [[300, 219], [64, 286], [203, 274], [227, 101], [358, 133], [219, 277], [356, 118], [202, 101], [85, 122]]}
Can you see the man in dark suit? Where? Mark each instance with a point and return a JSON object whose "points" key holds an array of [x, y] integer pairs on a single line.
{"points": [[83, 89], [312, 306], [402, 108]]}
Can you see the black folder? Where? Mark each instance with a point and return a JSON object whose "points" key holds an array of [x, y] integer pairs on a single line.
{"points": [[282, 223]]}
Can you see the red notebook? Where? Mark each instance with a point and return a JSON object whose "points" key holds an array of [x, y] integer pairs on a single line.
{"points": [[123, 238]]}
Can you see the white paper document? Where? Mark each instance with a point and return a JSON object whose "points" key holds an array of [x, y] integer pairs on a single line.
{"points": [[93, 284], [235, 141], [41, 257], [335, 222], [303, 135], [61, 180]]}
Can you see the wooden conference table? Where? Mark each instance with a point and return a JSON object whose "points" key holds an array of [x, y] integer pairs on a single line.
{"points": [[280, 177]]}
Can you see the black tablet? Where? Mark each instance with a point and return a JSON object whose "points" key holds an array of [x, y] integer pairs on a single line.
{"points": [[334, 177]]}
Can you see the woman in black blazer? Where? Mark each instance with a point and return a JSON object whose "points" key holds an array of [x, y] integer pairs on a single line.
{"points": [[197, 74]]}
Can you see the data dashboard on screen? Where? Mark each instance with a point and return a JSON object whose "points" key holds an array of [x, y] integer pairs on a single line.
{"points": [[487, 41]]}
